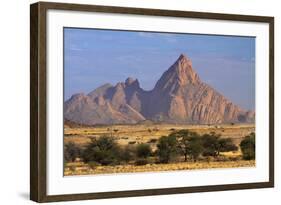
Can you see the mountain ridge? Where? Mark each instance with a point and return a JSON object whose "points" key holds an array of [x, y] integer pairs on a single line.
{"points": [[179, 96]]}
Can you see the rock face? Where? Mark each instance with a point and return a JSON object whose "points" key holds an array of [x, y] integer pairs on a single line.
{"points": [[179, 96]]}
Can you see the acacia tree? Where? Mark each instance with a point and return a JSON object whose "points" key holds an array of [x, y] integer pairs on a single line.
{"points": [[103, 150], [188, 143], [195, 147], [213, 144], [166, 148]]}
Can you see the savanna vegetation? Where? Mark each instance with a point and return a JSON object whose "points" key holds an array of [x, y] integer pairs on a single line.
{"points": [[180, 146]]}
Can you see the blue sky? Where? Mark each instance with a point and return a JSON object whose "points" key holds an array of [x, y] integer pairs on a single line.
{"points": [[94, 57]]}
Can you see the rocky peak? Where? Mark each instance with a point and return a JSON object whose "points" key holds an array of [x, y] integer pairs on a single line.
{"points": [[179, 96], [132, 82], [120, 86], [179, 74], [184, 71], [77, 96], [184, 60]]}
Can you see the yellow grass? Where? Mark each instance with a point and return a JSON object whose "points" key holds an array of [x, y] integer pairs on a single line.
{"points": [[135, 134], [79, 168], [125, 134]]}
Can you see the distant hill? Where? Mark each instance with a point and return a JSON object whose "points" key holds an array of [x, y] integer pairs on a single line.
{"points": [[179, 96]]}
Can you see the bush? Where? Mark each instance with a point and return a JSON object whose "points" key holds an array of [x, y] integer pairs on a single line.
{"points": [[92, 165], [213, 144], [188, 143], [227, 145], [103, 150], [140, 162], [167, 148], [152, 140], [247, 146], [195, 148], [143, 150], [210, 143], [71, 152], [127, 153]]}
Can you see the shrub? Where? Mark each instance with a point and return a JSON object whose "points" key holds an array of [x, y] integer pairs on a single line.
{"points": [[247, 146], [140, 162], [127, 153], [152, 140], [143, 150], [213, 144], [92, 165], [103, 150], [71, 152], [227, 145], [167, 148], [188, 143], [210, 143], [195, 148]]}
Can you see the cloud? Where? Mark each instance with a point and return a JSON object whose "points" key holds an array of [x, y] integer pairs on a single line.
{"points": [[74, 47], [146, 34], [164, 36]]}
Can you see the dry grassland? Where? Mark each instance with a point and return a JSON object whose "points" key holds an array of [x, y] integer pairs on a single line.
{"points": [[79, 168], [136, 134]]}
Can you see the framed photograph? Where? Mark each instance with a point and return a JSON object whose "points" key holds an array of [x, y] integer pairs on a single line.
{"points": [[134, 102]]}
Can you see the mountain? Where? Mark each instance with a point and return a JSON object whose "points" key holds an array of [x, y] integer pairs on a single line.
{"points": [[179, 96]]}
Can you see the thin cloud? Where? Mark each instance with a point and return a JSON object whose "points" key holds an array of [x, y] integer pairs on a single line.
{"points": [[165, 36]]}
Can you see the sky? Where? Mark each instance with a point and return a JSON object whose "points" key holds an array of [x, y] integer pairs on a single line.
{"points": [[94, 57]]}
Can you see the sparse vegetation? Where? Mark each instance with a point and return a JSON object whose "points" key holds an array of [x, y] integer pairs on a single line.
{"points": [[140, 162], [146, 150], [213, 144], [247, 146], [153, 140], [103, 150], [186, 142], [132, 142], [143, 151], [127, 153], [167, 148], [71, 152]]}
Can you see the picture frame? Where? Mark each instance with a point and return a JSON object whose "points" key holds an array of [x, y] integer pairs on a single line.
{"points": [[40, 92]]}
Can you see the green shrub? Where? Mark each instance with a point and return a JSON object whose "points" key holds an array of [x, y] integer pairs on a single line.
{"points": [[210, 144], [140, 162], [227, 145], [195, 148], [143, 150], [188, 143], [71, 152], [167, 148], [213, 144], [103, 150], [127, 153], [247, 146]]}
